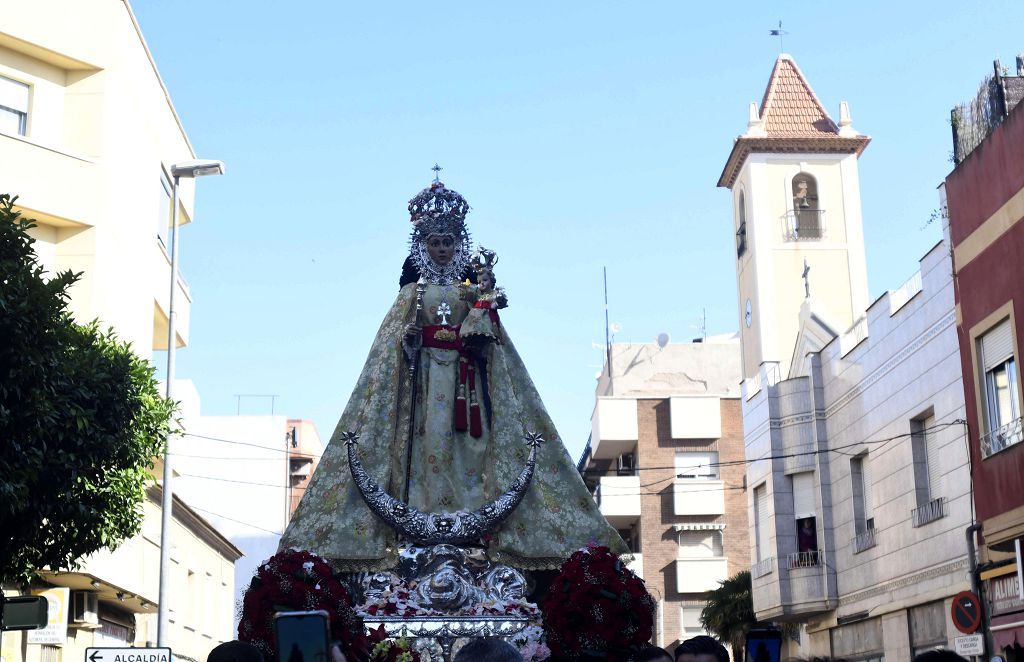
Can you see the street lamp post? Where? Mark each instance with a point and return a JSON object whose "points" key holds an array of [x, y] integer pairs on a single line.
{"points": [[188, 169]]}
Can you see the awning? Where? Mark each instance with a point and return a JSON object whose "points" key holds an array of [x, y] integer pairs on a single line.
{"points": [[699, 526], [1008, 630]]}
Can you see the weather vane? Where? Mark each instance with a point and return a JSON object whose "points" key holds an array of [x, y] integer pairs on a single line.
{"points": [[778, 32], [437, 173]]}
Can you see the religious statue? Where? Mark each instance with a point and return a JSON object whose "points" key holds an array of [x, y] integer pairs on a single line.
{"points": [[437, 421]]}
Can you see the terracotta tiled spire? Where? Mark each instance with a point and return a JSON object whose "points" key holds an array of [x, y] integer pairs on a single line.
{"points": [[790, 108], [791, 119]]}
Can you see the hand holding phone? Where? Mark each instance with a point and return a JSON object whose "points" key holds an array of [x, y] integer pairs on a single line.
{"points": [[303, 636]]}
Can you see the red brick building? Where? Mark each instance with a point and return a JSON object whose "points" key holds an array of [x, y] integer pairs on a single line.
{"points": [[665, 463], [985, 205]]}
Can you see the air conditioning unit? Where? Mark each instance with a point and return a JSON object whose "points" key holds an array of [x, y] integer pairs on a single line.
{"points": [[301, 469], [627, 463], [85, 611]]}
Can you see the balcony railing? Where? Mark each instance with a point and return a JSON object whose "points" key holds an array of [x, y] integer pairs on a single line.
{"points": [[762, 567], [864, 540], [803, 224], [929, 512], [805, 559], [905, 292], [1001, 438]]}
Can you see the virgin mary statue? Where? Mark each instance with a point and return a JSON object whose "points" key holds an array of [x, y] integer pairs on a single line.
{"points": [[473, 404]]}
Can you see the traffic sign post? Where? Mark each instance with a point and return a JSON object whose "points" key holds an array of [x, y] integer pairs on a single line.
{"points": [[128, 655], [966, 612]]}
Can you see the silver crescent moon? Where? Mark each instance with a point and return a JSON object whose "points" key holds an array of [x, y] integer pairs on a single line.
{"points": [[458, 528]]}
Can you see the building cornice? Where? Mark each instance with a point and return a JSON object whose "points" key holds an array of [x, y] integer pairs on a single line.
{"points": [[197, 524], [744, 146]]}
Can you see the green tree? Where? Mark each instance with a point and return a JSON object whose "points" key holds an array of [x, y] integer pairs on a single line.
{"points": [[729, 612], [81, 419]]}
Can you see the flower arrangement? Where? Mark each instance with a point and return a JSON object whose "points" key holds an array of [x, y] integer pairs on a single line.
{"points": [[300, 581], [597, 608], [530, 643], [390, 650]]}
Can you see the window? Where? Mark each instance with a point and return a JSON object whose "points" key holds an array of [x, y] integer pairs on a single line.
{"points": [[806, 219], [999, 390], [700, 544], [863, 505], [927, 461], [761, 522], [163, 216], [805, 512], [703, 465], [689, 616], [741, 233], [13, 106]]}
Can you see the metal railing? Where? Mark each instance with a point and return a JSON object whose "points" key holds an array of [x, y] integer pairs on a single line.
{"points": [[905, 292], [809, 559], [762, 567], [864, 540], [803, 224], [929, 512], [1001, 438]]}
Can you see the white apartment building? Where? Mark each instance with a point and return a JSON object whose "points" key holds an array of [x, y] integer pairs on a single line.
{"points": [[87, 134], [859, 486]]}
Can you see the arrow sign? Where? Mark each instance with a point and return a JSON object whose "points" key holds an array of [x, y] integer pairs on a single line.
{"points": [[966, 612], [128, 655]]}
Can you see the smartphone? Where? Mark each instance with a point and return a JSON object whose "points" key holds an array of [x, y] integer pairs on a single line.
{"points": [[764, 645], [302, 636]]}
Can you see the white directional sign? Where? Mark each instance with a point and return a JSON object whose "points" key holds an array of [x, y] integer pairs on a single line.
{"points": [[972, 644], [128, 655]]}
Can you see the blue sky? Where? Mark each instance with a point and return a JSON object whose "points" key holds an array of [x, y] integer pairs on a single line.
{"points": [[583, 135]]}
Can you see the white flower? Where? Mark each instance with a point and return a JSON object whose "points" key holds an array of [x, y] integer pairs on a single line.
{"points": [[308, 566]]}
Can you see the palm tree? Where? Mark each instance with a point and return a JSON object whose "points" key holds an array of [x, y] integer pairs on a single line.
{"points": [[729, 612]]}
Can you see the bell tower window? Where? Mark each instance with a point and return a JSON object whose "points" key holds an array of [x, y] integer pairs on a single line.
{"points": [[805, 219], [741, 233]]}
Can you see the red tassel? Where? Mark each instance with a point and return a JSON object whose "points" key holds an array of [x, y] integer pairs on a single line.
{"points": [[461, 425], [475, 427]]}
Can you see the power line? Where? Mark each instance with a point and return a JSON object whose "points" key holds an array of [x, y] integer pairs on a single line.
{"points": [[243, 443], [243, 482], [236, 521]]}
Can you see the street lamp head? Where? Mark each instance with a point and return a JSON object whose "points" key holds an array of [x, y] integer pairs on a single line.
{"points": [[197, 168]]}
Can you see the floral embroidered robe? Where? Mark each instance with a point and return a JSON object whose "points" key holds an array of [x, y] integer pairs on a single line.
{"points": [[451, 470]]}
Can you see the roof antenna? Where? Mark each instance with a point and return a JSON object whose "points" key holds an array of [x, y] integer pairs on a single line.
{"points": [[779, 32]]}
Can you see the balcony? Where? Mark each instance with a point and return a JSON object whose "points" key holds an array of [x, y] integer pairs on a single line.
{"points": [[50, 181], [800, 587], [929, 512], [161, 278], [618, 498], [863, 541], [1001, 438], [613, 428], [697, 575], [695, 496], [804, 224]]}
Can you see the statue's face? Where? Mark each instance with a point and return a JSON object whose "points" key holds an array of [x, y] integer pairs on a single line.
{"points": [[441, 248], [486, 281]]}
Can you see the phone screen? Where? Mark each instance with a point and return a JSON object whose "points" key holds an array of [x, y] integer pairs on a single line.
{"points": [[302, 636], [763, 646]]}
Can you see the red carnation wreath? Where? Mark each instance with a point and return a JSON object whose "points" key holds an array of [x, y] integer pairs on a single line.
{"points": [[294, 580], [597, 608]]}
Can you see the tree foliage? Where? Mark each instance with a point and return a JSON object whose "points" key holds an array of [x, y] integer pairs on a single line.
{"points": [[729, 612], [81, 419]]}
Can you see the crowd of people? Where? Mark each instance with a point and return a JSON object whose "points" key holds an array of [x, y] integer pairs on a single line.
{"points": [[696, 649]]}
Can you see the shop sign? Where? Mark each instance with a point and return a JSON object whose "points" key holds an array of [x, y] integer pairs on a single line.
{"points": [[1003, 595], [56, 631]]}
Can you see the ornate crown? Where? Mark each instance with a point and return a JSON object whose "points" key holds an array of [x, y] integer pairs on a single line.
{"points": [[438, 205], [484, 258]]}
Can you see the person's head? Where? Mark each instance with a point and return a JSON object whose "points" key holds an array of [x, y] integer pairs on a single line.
{"points": [[701, 648], [651, 654], [235, 651], [488, 649], [486, 280], [942, 655], [441, 248]]}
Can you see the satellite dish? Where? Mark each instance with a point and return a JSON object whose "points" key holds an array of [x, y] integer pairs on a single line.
{"points": [[663, 339]]}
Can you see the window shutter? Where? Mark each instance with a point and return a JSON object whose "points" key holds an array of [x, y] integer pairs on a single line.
{"points": [[931, 441], [697, 544], [702, 464], [869, 487], [997, 345], [803, 495], [14, 95], [761, 521]]}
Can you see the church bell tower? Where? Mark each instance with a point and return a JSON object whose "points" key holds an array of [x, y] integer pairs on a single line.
{"points": [[796, 217]]}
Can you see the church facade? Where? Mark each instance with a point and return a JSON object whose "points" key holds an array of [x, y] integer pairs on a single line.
{"points": [[857, 470]]}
